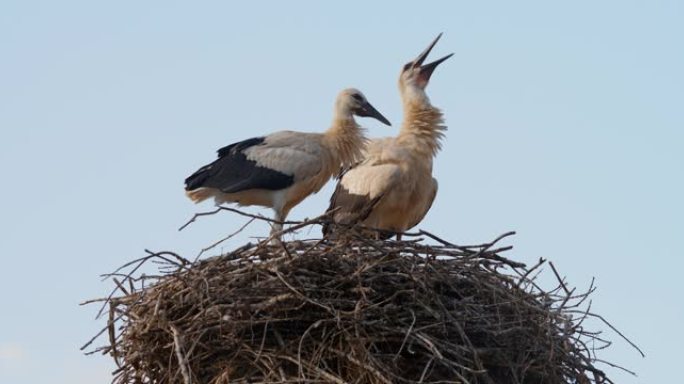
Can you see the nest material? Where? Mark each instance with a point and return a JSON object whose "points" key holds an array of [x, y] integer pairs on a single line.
{"points": [[348, 311]]}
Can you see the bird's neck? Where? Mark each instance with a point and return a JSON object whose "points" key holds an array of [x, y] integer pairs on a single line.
{"points": [[423, 126], [346, 140]]}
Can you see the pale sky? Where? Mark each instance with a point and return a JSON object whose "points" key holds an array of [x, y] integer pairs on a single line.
{"points": [[566, 124]]}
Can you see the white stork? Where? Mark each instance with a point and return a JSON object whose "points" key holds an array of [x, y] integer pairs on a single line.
{"points": [[282, 169], [392, 189]]}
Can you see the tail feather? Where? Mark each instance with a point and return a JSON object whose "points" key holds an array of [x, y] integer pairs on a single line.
{"points": [[199, 194], [197, 179]]}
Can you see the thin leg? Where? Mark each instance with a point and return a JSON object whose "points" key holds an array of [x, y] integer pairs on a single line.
{"points": [[398, 236], [277, 227]]}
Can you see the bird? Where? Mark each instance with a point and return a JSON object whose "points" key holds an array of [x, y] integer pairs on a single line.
{"points": [[392, 188], [281, 169]]}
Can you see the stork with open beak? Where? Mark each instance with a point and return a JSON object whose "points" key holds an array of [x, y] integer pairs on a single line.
{"points": [[392, 189], [282, 169]]}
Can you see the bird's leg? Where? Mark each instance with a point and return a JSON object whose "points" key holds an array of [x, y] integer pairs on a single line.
{"points": [[398, 236], [277, 227]]}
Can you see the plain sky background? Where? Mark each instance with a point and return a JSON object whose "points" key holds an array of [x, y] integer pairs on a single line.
{"points": [[566, 124]]}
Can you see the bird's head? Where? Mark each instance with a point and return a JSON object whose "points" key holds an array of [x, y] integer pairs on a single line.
{"points": [[415, 75], [351, 102]]}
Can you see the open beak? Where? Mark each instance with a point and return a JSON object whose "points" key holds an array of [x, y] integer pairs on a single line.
{"points": [[367, 110], [421, 58], [427, 69]]}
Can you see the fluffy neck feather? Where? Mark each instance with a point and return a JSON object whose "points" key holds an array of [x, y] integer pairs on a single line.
{"points": [[346, 141], [423, 126]]}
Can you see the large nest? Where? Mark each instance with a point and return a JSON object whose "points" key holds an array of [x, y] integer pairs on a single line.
{"points": [[353, 310]]}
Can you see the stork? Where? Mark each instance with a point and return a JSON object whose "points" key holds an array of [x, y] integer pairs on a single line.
{"points": [[392, 189], [281, 169]]}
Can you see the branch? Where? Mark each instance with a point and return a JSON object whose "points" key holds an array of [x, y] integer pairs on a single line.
{"points": [[239, 212], [182, 361]]}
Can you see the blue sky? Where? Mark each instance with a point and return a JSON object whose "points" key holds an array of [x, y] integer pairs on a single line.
{"points": [[565, 124]]}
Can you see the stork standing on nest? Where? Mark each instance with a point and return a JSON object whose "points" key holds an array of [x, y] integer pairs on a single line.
{"points": [[282, 169], [392, 189]]}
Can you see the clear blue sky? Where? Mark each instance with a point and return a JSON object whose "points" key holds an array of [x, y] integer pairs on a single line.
{"points": [[566, 123]]}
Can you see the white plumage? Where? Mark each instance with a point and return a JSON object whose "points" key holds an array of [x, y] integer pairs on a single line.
{"points": [[292, 153], [392, 189]]}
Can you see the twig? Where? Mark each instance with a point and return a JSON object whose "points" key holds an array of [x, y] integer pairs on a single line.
{"points": [[560, 280], [239, 212], [212, 246], [182, 360], [606, 322]]}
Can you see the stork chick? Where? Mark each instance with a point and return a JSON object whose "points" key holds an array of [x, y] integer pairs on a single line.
{"points": [[392, 189], [282, 169]]}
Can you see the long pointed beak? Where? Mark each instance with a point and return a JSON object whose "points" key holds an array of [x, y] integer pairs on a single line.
{"points": [[421, 58], [367, 110], [427, 69]]}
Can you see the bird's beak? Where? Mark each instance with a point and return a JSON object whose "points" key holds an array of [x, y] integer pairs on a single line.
{"points": [[367, 110], [427, 69], [421, 58]]}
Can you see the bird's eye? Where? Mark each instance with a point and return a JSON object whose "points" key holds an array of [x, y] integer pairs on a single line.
{"points": [[357, 97], [407, 66]]}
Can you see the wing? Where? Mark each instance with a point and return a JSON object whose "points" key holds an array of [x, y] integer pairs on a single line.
{"points": [[359, 191], [292, 153], [233, 171], [373, 150], [427, 204]]}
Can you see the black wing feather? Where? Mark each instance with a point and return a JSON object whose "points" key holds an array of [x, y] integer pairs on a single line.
{"points": [[348, 208], [233, 172], [235, 148]]}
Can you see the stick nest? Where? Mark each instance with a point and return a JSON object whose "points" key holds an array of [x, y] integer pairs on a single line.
{"points": [[347, 311]]}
